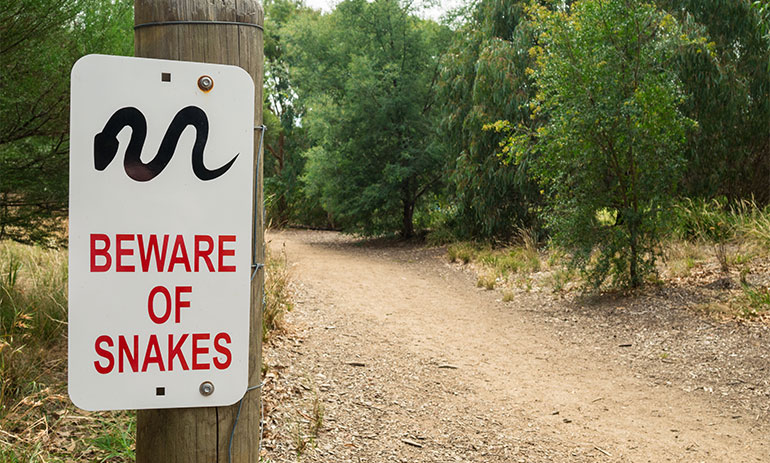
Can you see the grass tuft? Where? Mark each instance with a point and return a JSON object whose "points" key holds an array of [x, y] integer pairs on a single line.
{"points": [[278, 298], [463, 252], [486, 281]]}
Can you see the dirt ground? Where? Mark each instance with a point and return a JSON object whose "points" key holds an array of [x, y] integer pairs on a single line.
{"points": [[393, 355]]}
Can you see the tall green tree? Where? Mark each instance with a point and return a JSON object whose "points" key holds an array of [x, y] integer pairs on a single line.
{"points": [[483, 80], [610, 151], [367, 75], [40, 40], [729, 93], [285, 138]]}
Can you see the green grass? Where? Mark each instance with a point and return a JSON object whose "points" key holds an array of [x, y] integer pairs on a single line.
{"points": [[440, 236], [718, 222], [116, 439], [757, 301], [317, 416]]}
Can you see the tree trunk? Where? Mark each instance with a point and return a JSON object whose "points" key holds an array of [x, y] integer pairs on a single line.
{"points": [[634, 264], [407, 227], [203, 434]]}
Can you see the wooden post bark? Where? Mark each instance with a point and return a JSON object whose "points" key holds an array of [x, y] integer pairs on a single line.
{"points": [[203, 434]]}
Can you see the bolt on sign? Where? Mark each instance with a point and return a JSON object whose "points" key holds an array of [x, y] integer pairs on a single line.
{"points": [[161, 192]]}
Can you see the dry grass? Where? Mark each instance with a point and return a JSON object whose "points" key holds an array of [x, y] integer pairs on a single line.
{"points": [[33, 314], [38, 423], [522, 265], [278, 299], [715, 249], [486, 281], [463, 252], [522, 258], [737, 276], [682, 257]]}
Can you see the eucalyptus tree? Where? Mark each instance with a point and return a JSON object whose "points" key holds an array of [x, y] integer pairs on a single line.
{"points": [[483, 80], [285, 138], [729, 95], [366, 73]]}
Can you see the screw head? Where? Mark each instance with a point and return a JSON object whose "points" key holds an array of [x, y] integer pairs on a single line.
{"points": [[205, 83], [206, 388]]}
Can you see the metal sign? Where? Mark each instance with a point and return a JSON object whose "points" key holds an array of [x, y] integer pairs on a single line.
{"points": [[161, 188]]}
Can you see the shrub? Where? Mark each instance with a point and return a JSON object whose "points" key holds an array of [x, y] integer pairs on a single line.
{"points": [[609, 153]]}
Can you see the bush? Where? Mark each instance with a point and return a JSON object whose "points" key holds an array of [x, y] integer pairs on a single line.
{"points": [[609, 153]]}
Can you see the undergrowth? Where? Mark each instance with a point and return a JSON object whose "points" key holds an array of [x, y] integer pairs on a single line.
{"points": [[719, 222], [37, 419], [38, 423], [500, 264], [703, 239], [33, 315]]}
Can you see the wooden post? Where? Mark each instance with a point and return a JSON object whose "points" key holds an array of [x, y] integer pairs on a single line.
{"points": [[203, 434]]}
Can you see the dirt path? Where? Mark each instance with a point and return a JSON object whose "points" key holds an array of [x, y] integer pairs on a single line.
{"points": [[411, 363]]}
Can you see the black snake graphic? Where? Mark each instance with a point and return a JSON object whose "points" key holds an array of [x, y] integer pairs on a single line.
{"points": [[106, 144]]}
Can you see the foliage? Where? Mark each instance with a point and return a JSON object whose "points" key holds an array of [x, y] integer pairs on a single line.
{"points": [[729, 96], [285, 138], [609, 153], [763, 10], [40, 40], [367, 72], [702, 220], [483, 80], [720, 221]]}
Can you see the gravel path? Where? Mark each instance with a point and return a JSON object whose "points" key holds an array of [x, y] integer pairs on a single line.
{"points": [[393, 355]]}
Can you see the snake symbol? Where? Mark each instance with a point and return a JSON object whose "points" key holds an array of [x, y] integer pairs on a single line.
{"points": [[106, 144]]}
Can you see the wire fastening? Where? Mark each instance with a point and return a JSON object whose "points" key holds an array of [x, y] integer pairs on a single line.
{"points": [[216, 23], [254, 262], [255, 266], [238, 415]]}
